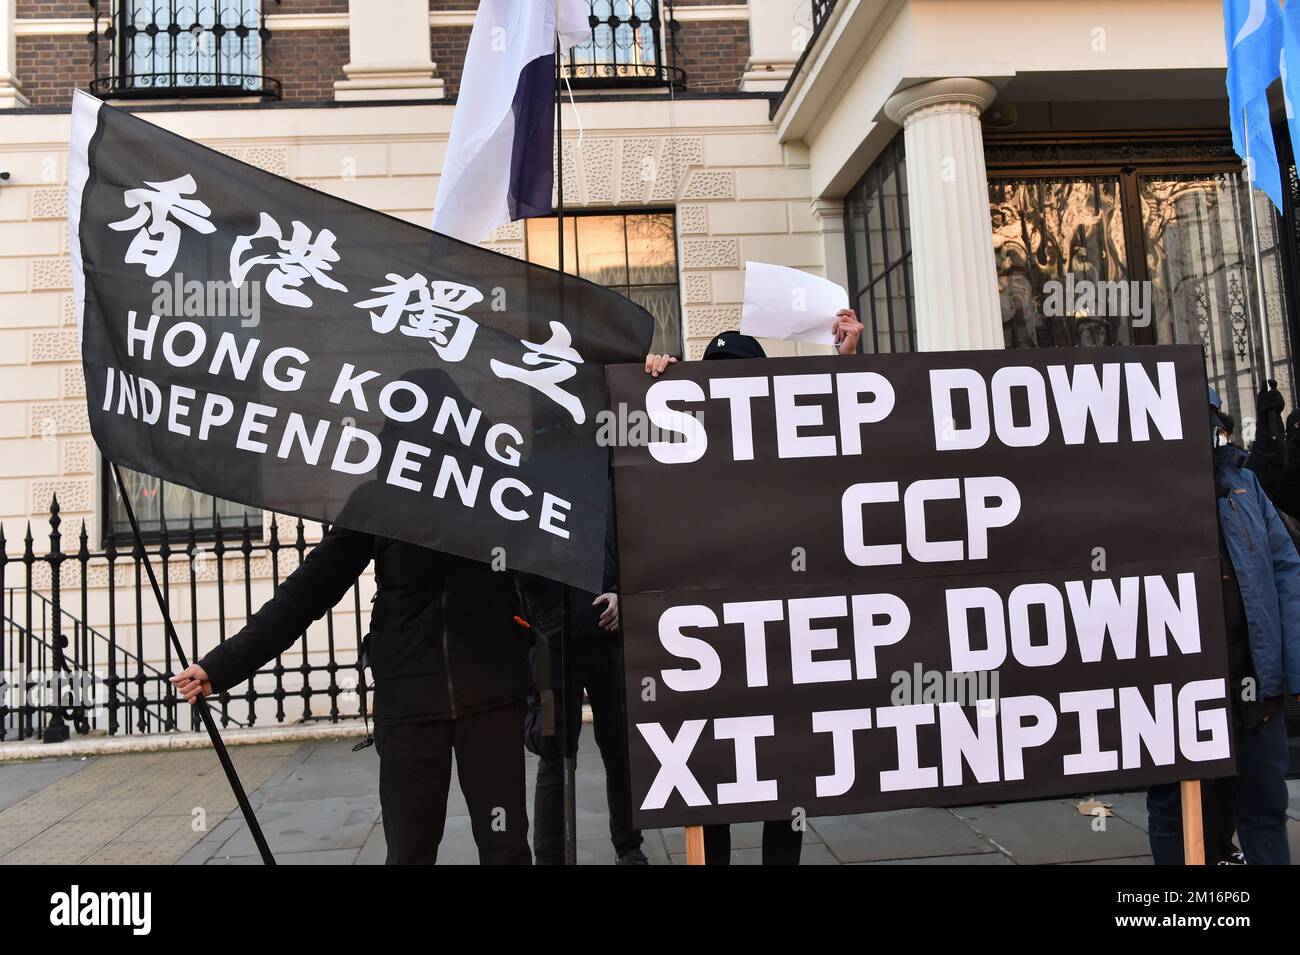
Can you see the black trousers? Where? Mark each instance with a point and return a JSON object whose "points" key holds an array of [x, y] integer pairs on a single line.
{"points": [[1253, 802], [594, 665], [415, 776], [782, 843]]}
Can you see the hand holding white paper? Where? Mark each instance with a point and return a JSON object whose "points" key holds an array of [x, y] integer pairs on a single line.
{"points": [[788, 304]]}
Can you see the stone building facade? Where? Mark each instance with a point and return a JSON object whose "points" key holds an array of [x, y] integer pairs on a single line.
{"points": [[943, 159]]}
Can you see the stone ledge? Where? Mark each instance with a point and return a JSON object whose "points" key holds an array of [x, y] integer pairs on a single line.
{"points": [[158, 742]]}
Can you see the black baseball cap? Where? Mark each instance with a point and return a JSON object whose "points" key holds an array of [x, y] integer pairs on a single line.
{"points": [[734, 345]]}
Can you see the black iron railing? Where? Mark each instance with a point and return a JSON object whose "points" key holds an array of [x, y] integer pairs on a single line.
{"points": [[61, 674], [180, 48], [628, 46], [821, 9]]}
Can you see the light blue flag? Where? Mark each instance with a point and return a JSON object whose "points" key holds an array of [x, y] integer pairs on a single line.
{"points": [[1253, 31], [1291, 76]]}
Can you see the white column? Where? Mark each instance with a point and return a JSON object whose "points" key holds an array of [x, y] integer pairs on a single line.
{"points": [[829, 213], [955, 279], [389, 58], [775, 42], [11, 91]]}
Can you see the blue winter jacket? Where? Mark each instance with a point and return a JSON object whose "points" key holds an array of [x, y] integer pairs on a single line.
{"points": [[1268, 572]]}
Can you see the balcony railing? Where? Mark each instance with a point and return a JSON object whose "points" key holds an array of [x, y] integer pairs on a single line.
{"points": [[821, 9], [628, 46], [180, 48]]}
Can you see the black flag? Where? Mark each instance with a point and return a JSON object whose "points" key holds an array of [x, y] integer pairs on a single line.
{"points": [[249, 337]]}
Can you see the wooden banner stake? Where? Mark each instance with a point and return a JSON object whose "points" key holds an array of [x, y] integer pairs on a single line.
{"points": [[695, 845], [1193, 833]]}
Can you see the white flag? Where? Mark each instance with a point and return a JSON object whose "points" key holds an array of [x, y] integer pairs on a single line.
{"points": [[498, 165]]}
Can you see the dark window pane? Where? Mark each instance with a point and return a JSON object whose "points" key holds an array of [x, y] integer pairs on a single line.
{"points": [[876, 238], [899, 300], [889, 211], [880, 305], [857, 231], [863, 305], [904, 222], [875, 233], [155, 501]]}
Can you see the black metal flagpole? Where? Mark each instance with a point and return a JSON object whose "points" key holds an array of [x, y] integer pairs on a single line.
{"points": [[204, 711], [566, 728]]}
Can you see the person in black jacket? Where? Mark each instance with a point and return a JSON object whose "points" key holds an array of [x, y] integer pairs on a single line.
{"points": [[451, 675], [1275, 453], [595, 665]]}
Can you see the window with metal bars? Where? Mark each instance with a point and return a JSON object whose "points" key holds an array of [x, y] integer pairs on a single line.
{"points": [[180, 48], [633, 43], [161, 506]]}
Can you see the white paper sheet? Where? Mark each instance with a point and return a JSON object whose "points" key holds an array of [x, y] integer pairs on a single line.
{"points": [[790, 305]]}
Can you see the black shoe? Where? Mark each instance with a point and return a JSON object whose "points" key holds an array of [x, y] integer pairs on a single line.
{"points": [[632, 857]]}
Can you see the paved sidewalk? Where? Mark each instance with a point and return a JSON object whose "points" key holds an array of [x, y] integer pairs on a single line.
{"points": [[317, 803]]}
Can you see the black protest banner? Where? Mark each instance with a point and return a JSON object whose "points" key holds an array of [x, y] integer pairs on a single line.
{"points": [[252, 338], [865, 583]]}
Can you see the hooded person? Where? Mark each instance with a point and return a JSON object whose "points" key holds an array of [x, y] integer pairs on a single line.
{"points": [[1260, 572], [782, 839]]}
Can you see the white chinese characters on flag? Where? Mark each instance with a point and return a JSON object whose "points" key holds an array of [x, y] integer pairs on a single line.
{"points": [[390, 379]]}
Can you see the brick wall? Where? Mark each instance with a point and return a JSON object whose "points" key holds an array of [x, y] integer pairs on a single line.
{"points": [[306, 6], [307, 62], [53, 9], [50, 66], [713, 54], [448, 46]]}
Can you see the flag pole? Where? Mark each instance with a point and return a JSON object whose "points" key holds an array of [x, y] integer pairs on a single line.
{"points": [[566, 728], [1259, 267], [205, 711]]}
